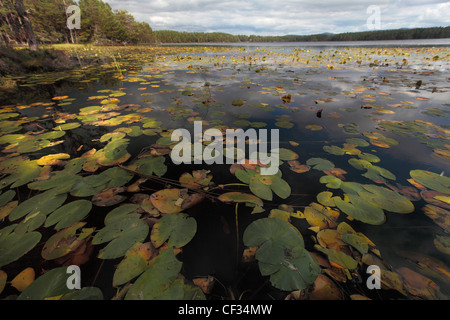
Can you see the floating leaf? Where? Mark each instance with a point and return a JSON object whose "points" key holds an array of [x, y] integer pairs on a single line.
{"points": [[169, 200], [325, 198], [23, 279], [442, 244], [320, 164], [68, 214], [314, 127], [321, 217], [419, 285], [136, 261], [7, 197], [281, 254], [109, 197], [196, 180], [432, 180], [334, 150], [239, 197], [177, 228], [386, 199], [356, 241], [440, 216], [87, 293], [43, 203], [297, 167], [13, 245], [122, 234], [160, 274], [149, 166], [339, 258], [361, 210], [65, 241], [51, 284]]}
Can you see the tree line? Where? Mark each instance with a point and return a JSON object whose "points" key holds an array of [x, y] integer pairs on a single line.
{"points": [[45, 21], [48, 18], [169, 36]]}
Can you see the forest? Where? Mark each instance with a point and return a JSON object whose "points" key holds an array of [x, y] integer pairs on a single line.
{"points": [[168, 36], [101, 25]]}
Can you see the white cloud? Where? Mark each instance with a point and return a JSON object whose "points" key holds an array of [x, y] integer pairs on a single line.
{"points": [[283, 16]]}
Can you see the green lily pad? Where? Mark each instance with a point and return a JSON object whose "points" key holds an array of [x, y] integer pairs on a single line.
{"points": [[177, 228], [369, 157], [325, 198], [160, 274], [121, 234], [136, 261], [358, 142], [116, 149], [339, 258], [68, 214], [87, 293], [334, 150], [361, 210], [376, 173], [43, 203], [356, 241], [149, 166], [359, 164], [7, 197], [386, 199], [331, 182], [432, 180], [281, 253], [23, 173], [67, 126], [320, 164], [13, 245], [239, 197], [51, 284]]}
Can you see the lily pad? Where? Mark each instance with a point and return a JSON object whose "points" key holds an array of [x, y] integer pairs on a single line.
{"points": [[386, 199], [121, 234], [69, 214], [43, 203], [320, 164], [169, 200], [65, 241], [239, 197], [281, 254], [51, 284], [361, 210], [177, 228], [432, 180], [136, 261], [13, 245], [160, 274]]}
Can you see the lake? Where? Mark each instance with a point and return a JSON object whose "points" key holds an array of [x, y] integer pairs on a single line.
{"points": [[364, 146]]}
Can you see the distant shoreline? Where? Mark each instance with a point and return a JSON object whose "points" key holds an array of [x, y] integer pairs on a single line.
{"points": [[406, 42]]}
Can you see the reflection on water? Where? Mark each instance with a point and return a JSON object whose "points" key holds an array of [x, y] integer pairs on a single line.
{"points": [[356, 85]]}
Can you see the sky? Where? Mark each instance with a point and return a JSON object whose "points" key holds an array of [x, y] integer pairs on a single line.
{"points": [[282, 17]]}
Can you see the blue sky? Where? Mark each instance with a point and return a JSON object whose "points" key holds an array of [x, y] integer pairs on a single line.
{"points": [[281, 17]]}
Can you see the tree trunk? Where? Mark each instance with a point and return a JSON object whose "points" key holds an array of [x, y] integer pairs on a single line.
{"points": [[23, 16]]}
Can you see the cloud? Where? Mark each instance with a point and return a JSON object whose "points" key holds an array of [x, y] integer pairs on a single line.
{"points": [[283, 16]]}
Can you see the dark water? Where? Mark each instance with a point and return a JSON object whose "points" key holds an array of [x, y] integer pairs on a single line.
{"points": [[317, 79]]}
